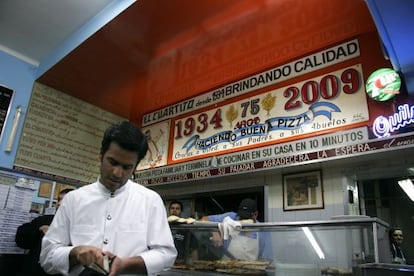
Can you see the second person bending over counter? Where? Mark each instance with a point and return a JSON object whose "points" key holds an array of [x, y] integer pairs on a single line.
{"points": [[244, 245]]}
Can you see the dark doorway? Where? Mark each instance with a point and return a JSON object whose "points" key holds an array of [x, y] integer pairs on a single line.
{"points": [[385, 199]]}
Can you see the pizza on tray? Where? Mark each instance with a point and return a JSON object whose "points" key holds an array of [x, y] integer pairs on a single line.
{"points": [[235, 267]]}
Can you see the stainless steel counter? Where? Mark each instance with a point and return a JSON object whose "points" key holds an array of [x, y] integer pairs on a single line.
{"points": [[382, 269]]}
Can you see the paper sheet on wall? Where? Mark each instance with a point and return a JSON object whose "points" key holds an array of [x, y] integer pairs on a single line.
{"points": [[62, 135]]}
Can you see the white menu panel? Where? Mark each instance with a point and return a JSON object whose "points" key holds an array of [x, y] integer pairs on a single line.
{"points": [[62, 136]]}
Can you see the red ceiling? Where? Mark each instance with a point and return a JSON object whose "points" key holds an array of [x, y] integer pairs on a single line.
{"points": [[159, 52]]}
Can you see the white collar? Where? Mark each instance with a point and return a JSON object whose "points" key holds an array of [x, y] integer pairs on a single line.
{"points": [[118, 191]]}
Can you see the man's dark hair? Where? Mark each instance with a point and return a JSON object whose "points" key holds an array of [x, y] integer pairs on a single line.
{"points": [[127, 136], [65, 191], [176, 202]]}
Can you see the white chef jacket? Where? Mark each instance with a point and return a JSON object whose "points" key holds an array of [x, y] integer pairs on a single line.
{"points": [[130, 222]]}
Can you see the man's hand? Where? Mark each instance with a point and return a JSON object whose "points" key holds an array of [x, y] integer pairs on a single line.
{"points": [[116, 265], [128, 265], [216, 239], [86, 255], [43, 229]]}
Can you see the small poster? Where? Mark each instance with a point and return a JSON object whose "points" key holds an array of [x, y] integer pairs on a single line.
{"points": [[6, 95], [157, 137]]}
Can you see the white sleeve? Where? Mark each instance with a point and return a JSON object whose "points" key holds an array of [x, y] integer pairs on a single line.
{"points": [[54, 256], [162, 252]]}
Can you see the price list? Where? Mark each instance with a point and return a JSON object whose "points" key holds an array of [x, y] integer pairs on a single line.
{"points": [[61, 136]]}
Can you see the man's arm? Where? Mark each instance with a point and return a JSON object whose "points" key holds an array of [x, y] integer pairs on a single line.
{"points": [[27, 236], [54, 256], [161, 251], [265, 246], [204, 218]]}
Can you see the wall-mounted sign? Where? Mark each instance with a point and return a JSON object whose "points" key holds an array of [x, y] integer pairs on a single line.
{"points": [[254, 164], [327, 57], [332, 101], [61, 136], [383, 84], [6, 95], [287, 153], [384, 126]]}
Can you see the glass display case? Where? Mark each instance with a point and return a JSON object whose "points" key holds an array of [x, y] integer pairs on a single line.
{"points": [[331, 247]]}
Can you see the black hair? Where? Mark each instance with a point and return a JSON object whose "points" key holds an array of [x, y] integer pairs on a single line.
{"points": [[176, 202], [65, 191], [126, 135]]}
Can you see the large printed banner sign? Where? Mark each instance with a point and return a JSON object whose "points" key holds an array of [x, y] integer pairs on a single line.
{"points": [[333, 101], [289, 153], [327, 57], [253, 161]]}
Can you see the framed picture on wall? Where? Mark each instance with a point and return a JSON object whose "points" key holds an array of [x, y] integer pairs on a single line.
{"points": [[303, 191]]}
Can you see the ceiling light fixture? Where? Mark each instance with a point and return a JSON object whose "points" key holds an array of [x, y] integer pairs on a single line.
{"points": [[408, 187]]}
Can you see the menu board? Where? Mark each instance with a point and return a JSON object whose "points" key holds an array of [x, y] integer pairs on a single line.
{"points": [[61, 136], [6, 95]]}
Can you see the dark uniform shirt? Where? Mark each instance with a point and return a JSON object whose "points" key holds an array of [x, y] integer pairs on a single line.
{"points": [[29, 237]]}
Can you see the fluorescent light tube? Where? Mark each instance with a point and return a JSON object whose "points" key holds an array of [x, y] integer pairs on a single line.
{"points": [[313, 242], [13, 131], [408, 187]]}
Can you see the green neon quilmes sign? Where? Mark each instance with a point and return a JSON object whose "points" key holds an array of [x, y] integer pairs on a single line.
{"points": [[383, 84]]}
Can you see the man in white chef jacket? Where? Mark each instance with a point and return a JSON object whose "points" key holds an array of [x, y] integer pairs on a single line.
{"points": [[114, 224]]}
